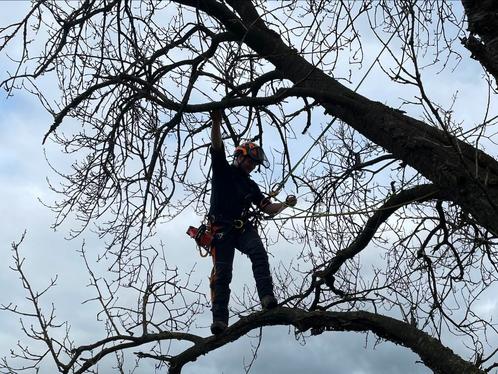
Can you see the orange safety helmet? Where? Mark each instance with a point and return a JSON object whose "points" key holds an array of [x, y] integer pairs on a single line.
{"points": [[254, 151]]}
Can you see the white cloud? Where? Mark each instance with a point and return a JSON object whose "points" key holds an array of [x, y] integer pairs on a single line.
{"points": [[22, 181]]}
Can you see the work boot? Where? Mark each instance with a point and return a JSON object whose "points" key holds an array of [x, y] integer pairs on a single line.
{"points": [[217, 327], [269, 302]]}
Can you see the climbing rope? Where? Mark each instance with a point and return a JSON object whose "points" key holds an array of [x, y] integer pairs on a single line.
{"points": [[278, 186], [349, 213]]}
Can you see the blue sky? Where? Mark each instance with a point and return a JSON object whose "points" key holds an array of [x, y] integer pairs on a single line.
{"points": [[23, 173]]}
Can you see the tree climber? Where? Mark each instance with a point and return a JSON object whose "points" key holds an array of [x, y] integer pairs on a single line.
{"points": [[232, 193]]}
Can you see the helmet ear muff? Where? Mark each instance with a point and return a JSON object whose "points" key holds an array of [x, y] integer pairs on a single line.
{"points": [[253, 151], [239, 151]]}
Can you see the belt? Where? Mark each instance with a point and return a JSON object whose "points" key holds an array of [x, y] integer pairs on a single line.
{"points": [[238, 223]]}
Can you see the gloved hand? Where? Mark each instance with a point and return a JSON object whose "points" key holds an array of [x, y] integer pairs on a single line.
{"points": [[291, 200]]}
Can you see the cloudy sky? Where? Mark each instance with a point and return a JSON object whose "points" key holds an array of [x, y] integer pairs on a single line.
{"points": [[23, 173]]}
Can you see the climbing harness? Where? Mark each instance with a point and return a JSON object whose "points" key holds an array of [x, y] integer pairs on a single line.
{"points": [[207, 232]]}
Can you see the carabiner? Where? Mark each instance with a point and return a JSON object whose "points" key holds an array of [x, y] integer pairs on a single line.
{"points": [[275, 189]]}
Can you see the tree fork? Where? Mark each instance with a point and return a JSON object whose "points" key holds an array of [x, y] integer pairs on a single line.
{"points": [[417, 194]]}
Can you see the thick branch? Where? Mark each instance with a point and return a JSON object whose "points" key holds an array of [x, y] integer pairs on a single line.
{"points": [[437, 357], [280, 95]]}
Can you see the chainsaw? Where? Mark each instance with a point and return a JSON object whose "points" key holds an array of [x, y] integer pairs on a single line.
{"points": [[203, 237]]}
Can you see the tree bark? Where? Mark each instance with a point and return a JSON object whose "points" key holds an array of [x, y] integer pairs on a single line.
{"points": [[482, 18]]}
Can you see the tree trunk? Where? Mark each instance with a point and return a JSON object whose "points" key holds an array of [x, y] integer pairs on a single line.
{"points": [[482, 18]]}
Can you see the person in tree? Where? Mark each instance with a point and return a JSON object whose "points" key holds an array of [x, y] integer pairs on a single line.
{"points": [[232, 194]]}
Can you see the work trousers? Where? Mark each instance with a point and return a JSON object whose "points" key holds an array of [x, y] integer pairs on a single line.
{"points": [[247, 241]]}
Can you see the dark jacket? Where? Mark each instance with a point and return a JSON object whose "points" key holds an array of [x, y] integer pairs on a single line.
{"points": [[232, 190]]}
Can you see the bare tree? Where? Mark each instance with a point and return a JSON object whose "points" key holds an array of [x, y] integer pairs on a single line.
{"points": [[140, 78]]}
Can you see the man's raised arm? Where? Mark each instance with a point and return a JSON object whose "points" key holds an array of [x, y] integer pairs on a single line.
{"points": [[216, 140]]}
